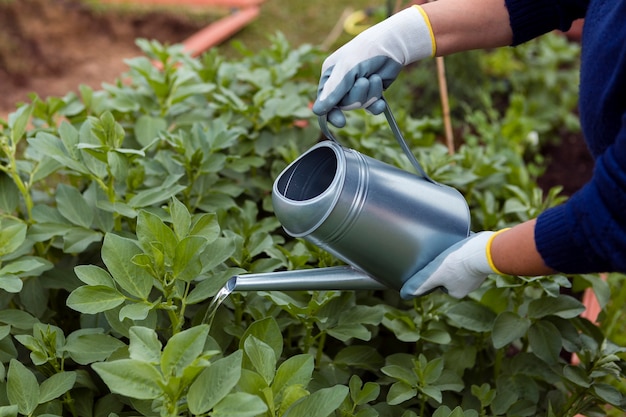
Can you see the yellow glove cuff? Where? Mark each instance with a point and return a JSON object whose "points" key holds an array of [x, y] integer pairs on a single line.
{"points": [[430, 28], [488, 249]]}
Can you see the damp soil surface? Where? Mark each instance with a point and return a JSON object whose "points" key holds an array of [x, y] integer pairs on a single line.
{"points": [[50, 47]]}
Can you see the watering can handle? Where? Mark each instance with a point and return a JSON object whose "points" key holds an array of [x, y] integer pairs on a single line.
{"points": [[396, 132]]}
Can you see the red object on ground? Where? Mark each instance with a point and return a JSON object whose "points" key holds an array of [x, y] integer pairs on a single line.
{"points": [[219, 31]]}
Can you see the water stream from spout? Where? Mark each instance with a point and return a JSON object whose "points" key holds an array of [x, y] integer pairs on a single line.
{"points": [[217, 301]]}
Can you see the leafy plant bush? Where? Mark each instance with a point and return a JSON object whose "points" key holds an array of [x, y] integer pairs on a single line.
{"points": [[124, 210]]}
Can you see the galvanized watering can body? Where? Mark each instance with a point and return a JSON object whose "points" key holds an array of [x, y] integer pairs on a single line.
{"points": [[384, 222]]}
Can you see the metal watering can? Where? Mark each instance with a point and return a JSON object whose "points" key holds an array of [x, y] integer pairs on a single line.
{"points": [[384, 222]]}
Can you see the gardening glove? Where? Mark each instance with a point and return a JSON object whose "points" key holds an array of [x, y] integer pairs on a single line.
{"points": [[356, 74], [458, 270]]}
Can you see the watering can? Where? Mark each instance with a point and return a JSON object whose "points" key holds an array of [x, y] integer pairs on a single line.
{"points": [[385, 223]]}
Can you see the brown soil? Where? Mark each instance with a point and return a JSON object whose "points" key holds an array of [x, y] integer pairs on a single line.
{"points": [[52, 46]]}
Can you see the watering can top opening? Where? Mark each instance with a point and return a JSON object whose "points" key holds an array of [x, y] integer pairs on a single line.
{"points": [[311, 185]]}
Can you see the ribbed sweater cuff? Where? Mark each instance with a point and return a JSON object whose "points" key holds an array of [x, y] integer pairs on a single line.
{"points": [[557, 244], [532, 18]]}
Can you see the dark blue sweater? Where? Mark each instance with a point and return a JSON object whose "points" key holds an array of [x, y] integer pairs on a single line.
{"points": [[588, 232]]}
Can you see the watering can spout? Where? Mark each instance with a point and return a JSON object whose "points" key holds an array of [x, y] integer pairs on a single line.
{"points": [[320, 279]]}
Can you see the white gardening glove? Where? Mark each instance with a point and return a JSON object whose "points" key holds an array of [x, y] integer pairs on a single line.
{"points": [[458, 270], [356, 74]]}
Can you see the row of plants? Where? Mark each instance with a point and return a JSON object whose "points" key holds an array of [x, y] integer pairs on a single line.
{"points": [[124, 210]]}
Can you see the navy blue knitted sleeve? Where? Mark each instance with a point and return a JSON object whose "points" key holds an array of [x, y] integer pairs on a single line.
{"points": [[531, 18]]}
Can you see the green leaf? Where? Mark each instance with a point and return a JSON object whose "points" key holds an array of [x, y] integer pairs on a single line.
{"points": [[131, 378], [216, 252], [86, 346], [135, 311], [507, 328], [147, 129], [206, 225], [563, 306], [18, 319], [12, 235], [545, 341], [9, 195], [608, 393], [181, 219], [144, 345], [73, 207], [239, 404], [18, 121], [319, 404], [11, 283], [155, 195], [55, 386], [214, 383], [182, 349], [472, 316], [77, 239], [51, 146], [262, 358], [94, 275], [577, 375], [187, 265], [27, 266], [22, 387], [362, 393], [92, 299], [297, 370], [151, 229], [117, 253], [268, 331]]}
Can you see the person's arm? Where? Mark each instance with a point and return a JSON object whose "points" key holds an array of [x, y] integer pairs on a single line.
{"points": [[461, 25], [514, 252]]}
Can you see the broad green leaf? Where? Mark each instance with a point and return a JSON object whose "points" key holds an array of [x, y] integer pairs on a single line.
{"points": [[151, 229], [297, 370], [156, 195], [182, 349], [545, 341], [577, 375], [289, 396], [9, 411], [608, 393], [181, 219], [77, 239], [563, 306], [135, 311], [18, 121], [319, 404], [55, 386], [363, 393], [12, 235], [27, 266], [117, 253], [262, 358], [472, 316], [18, 319], [186, 264], [22, 387], [94, 275], [214, 383], [51, 146], [11, 283], [216, 252], [92, 299], [268, 331], [365, 357], [144, 345], [9, 195], [131, 378], [239, 404], [86, 346], [401, 373], [73, 207], [206, 225], [147, 129], [507, 328]]}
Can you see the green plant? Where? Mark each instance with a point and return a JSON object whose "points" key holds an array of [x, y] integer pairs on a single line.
{"points": [[123, 211]]}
